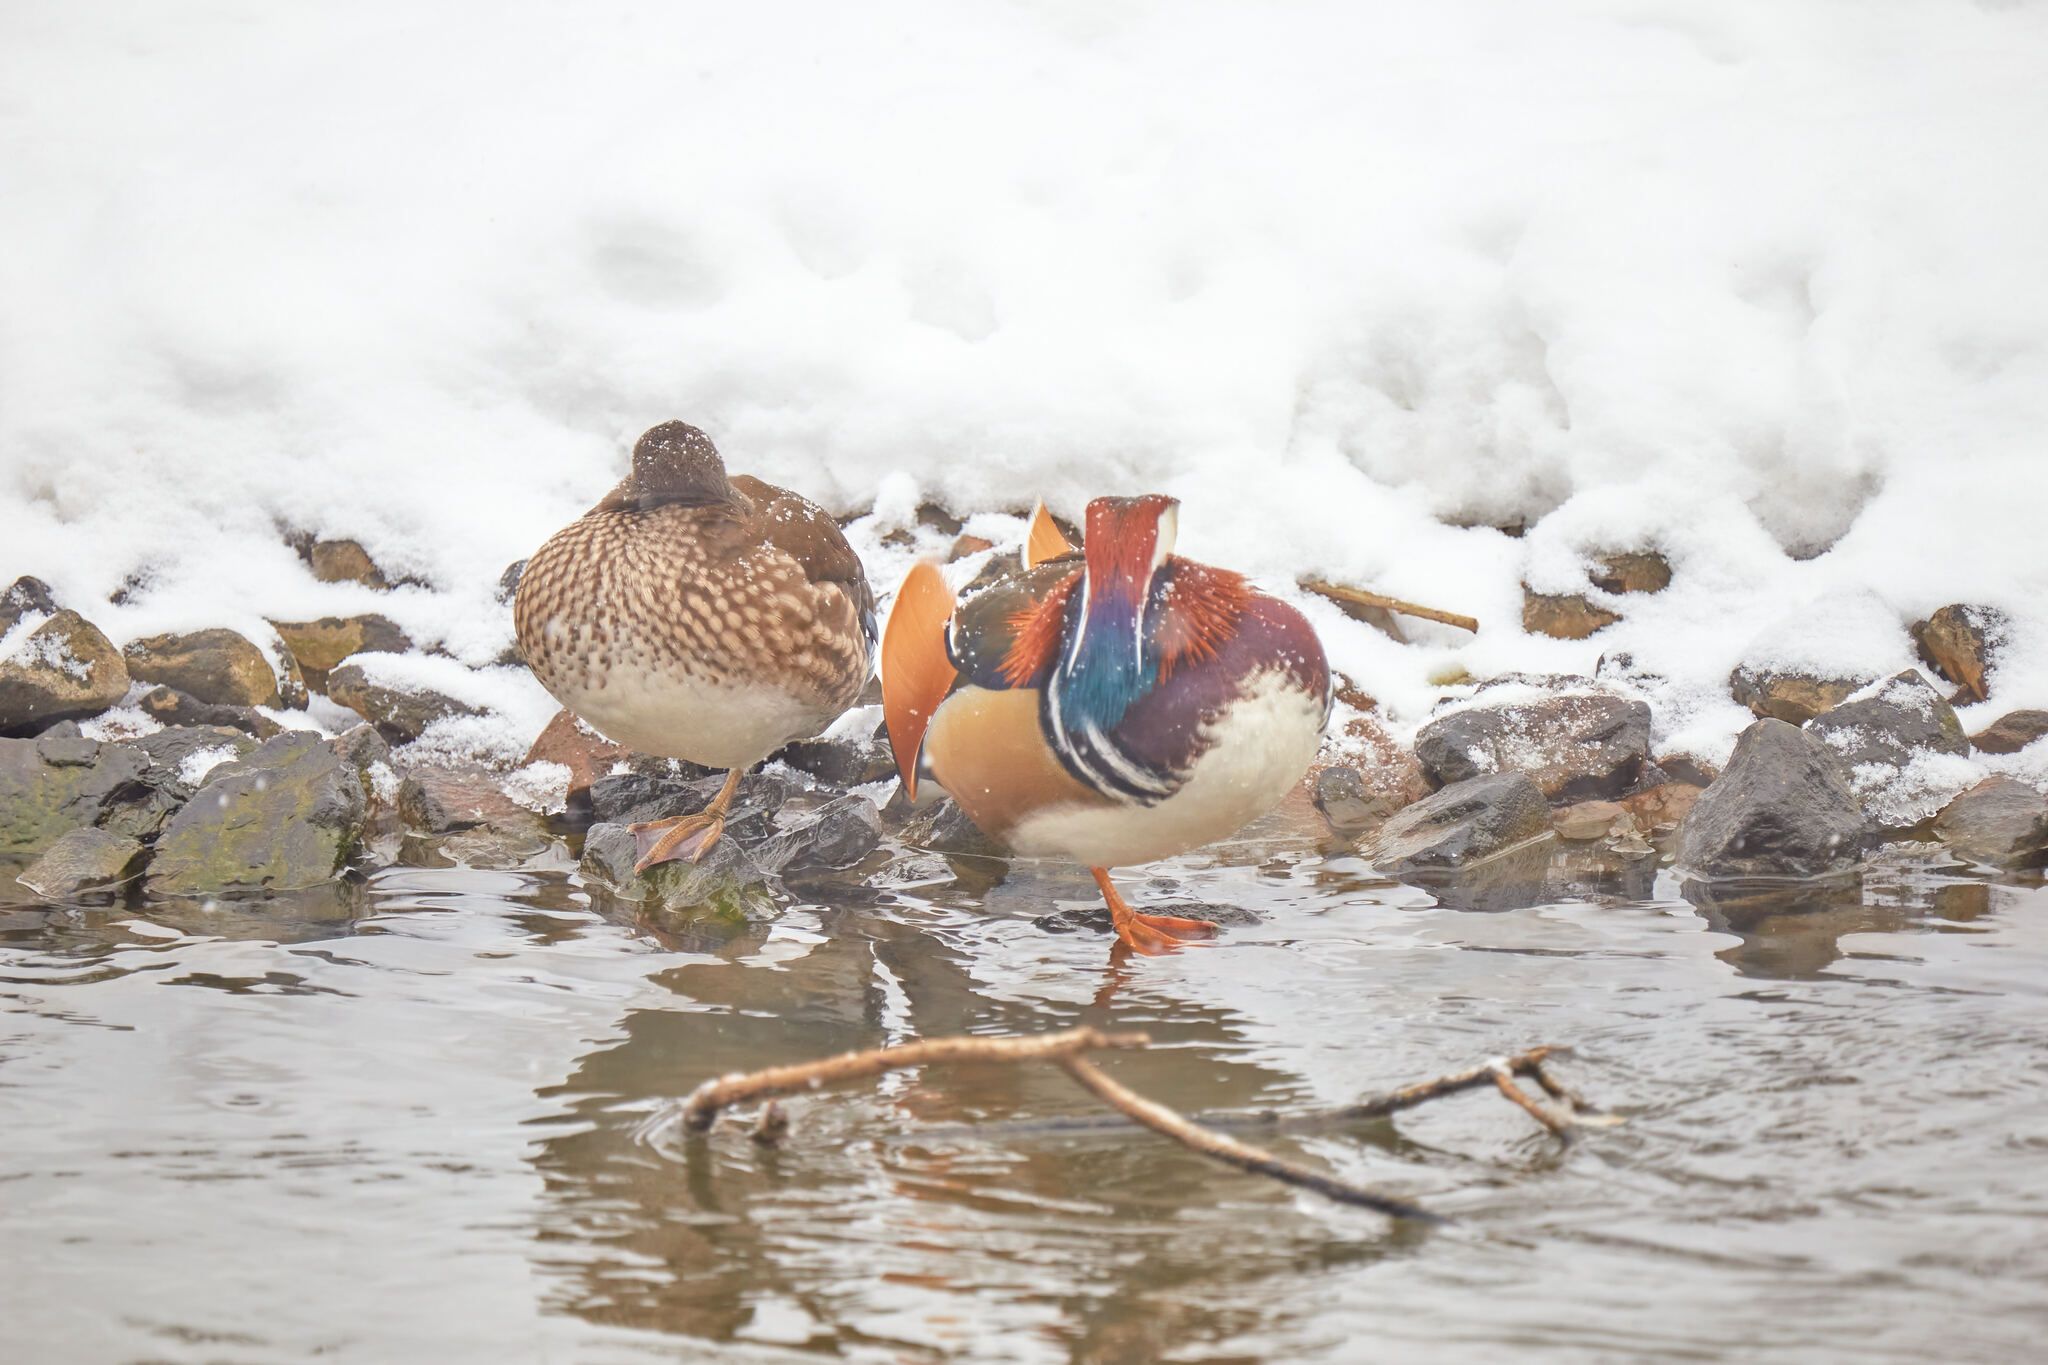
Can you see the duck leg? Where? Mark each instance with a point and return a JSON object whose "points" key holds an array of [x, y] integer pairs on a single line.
{"points": [[686, 837], [1149, 934]]}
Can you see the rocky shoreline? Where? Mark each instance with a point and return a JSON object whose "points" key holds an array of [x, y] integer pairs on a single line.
{"points": [[187, 767]]}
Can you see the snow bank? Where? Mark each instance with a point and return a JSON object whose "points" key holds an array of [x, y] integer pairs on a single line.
{"points": [[1740, 283]]}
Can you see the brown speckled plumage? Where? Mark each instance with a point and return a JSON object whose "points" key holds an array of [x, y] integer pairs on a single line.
{"points": [[697, 616]]}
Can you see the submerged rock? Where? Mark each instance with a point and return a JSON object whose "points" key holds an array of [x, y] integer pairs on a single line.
{"points": [[218, 667], [56, 783], [66, 669], [320, 646], [83, 860], [1563, 617], [1961, 643], [1792, 697], [401, 714], [1668, 803], [1999, 821], [1593, 820], [285, 816], [1577, 747], [2012, 732], [1783, 808], [1465, 823], [168, 706]]}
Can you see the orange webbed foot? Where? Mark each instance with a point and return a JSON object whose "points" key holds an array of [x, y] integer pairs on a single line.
{"points": [[1151, 935], [686, 838]]}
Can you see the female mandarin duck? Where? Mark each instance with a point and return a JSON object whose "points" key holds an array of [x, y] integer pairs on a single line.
{"points": [[1112, 707], [697, 616]]}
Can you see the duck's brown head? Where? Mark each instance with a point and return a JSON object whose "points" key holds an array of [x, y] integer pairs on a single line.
{"points": [[676, 463]]}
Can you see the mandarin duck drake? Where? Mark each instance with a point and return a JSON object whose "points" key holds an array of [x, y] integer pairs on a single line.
{"points": [[698, 616], [1111, 706]]}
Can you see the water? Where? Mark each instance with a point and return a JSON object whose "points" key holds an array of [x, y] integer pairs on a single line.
{"points": [[401, 1124]]}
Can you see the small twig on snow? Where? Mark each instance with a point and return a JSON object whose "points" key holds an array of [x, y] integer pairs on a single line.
{"points": [[1337, 592]]}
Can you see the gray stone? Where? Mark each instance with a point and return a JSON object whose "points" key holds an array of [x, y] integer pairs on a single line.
{"points": [[65, 668], [218, 667], [362, 746], [1795, 698], [945, 828], [285, 816], [1891, 722], [400, 714], [83, 860], [1465, 823], [1782, 808], [725, 874], [2012, 732], [636, 797], [1576, 747], [842, 762], [143, 807], [56, 783], [838, 834], [508, 581], [172, 746], [1347, 807], [1999, 821], [26, 595], [168, 706]]}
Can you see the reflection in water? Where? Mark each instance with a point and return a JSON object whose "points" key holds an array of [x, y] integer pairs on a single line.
{"points": [[437, 1079]]}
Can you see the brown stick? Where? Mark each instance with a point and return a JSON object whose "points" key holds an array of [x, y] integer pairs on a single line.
{"points": [[700, 1110], [1505, 1080], [1337, 592], [1229, 1150]]}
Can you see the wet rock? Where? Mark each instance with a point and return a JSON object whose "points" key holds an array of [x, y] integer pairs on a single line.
{"points": [[285, 816], [1593, 820], [1891, 722], [1563, 617], [1632, 571], [1787, 930], [636, 797], [401, 714], [2012, 732], [443, 800], [23, 597], [1465, 823], [180, 760], [1096, 918], [1794, 698], [320, 646], [508, 581], [65, 668], [723, 879], [1784, 808], [1346, 806], [81, 861], [1668, 803], [1576, 747], [168, 706], [837, 834], [842, 762], [1999, 821], [1687, 768], [55, 783], [1961, 642], [362, 747], [218, 667], [945, 828], [343, 561]]}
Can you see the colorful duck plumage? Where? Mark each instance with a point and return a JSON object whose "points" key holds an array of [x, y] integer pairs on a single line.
{"points": [[1112, 706]]}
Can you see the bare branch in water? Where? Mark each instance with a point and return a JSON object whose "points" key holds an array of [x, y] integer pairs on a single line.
{"points": [[1230, 1151], [700, 1110]]}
